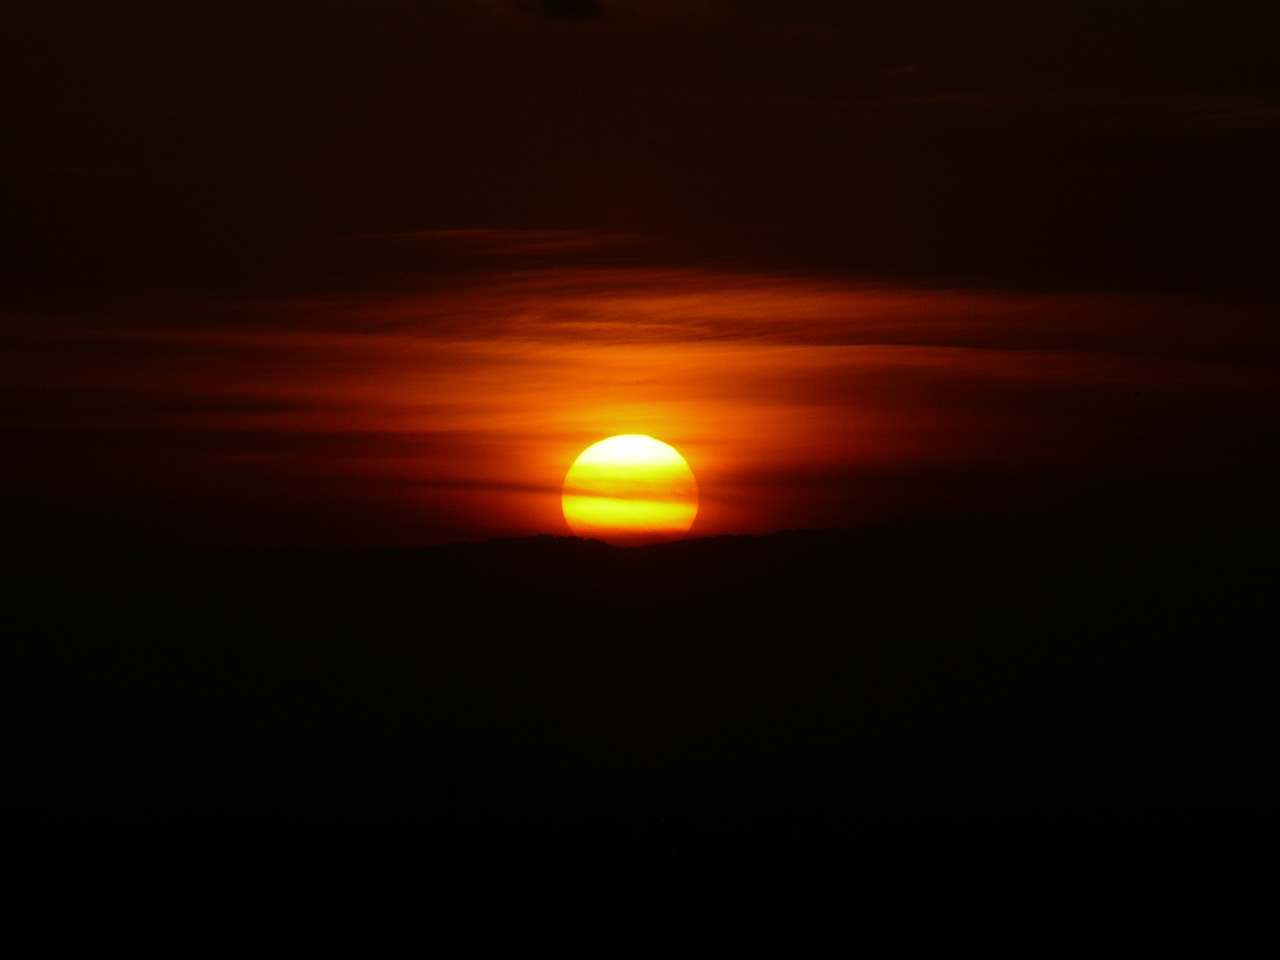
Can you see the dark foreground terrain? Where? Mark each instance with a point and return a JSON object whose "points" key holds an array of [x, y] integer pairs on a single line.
{"points": [[959, 679]]}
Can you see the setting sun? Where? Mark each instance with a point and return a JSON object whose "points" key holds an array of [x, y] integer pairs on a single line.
{"points": [[630, 489]]}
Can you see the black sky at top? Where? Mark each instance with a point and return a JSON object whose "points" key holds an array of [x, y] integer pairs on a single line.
{"points": [[1082, 145]]}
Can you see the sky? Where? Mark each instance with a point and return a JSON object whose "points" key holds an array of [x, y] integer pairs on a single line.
{"points": [[347, 275]]}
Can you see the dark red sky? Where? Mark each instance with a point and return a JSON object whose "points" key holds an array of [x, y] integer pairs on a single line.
{"points": [[361, 273]]}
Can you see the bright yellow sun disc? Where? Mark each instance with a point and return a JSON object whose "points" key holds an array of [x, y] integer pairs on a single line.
{"points": [[630, 489]]}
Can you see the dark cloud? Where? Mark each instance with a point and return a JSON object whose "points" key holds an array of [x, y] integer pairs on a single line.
{"points": [[573, 10], [588, 11]]}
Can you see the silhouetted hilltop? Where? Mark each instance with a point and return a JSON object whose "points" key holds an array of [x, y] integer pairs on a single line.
{"points": [[930, 669]]}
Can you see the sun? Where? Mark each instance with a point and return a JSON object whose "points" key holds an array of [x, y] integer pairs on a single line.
{"points": [[628, 490]]}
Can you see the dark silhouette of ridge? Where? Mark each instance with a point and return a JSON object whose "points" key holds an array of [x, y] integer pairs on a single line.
{"points": [[929, 670]]}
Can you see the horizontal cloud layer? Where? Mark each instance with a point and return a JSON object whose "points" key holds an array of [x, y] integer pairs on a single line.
{"points": [[798, 401]]}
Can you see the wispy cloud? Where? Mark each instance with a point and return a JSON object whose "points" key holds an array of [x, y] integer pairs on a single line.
{"points": [[798, 401], [1081, 111], [507, 242]]}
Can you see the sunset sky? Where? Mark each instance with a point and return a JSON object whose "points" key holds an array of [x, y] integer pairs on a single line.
{"points": [[373, 274]]}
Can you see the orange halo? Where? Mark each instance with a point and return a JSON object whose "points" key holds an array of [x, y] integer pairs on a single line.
{"points": [[630, 489]]}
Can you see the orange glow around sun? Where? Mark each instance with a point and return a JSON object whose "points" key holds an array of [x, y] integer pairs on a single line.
{"points": [[630, 489]]}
